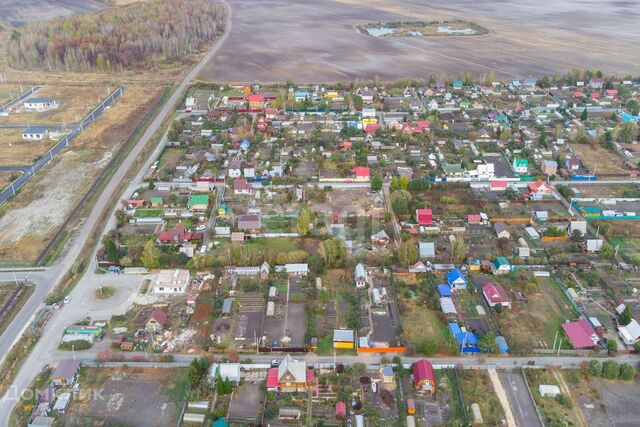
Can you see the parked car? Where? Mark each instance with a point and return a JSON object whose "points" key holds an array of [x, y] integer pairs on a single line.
{"points": [[67, 299]]}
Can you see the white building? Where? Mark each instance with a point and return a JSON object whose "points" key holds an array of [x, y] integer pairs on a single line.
{"points": [[360, 275], [35, 133], [630, 333], [172, 282], [40, 104], [548, 390]]}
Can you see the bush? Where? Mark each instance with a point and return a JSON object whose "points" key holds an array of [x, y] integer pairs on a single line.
{"points": [[610, 370], [75, 345], [626, 372], [595, 368], [564, 401]]}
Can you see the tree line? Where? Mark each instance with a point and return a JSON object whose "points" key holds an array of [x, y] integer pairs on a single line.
{"points": [[140, 36]]}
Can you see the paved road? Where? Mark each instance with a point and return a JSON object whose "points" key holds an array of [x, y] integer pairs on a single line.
{"points": [[520, 401], [17, 101], [10, 191], [46, 280]]}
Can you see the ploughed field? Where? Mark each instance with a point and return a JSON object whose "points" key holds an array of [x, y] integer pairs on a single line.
{"points": [[311, 40]]}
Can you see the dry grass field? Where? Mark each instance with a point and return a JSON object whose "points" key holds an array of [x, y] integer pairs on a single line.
{"points": [[8, 92], [16, 151], [600, 159], [74, 102], [317, 41], [31, 218], [7, 177]]}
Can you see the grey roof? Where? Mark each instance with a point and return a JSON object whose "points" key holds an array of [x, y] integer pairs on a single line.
{"points": [[67, 369], [226, 305], [427, 249], [447, 306], [500, 227], [343, 335], [297, 369]]}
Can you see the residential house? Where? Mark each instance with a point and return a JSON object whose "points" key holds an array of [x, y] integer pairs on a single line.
{"points": [[453, 169], [549, 167], [540, 189], [579, 227], [456, 279], [424, 378], [380, 240], [630, 333], [362, 173], [418, 267], [496, 295], [467, 341], [35, 133], [424, 217], [501, 266], [198, 202], [581, 334], [241, 186], [520, 165], [360, 275], [65, 373], [290, 376], [39, 104], [502, 231], [178, 236], [251, 223], [344, 339], [172, 282], [387, 374], [156, 321], [256, 101], [235, 169], [572, 164]]}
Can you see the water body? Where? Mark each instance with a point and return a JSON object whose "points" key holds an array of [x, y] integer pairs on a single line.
{"points": [[445, 29], [380, 31]]}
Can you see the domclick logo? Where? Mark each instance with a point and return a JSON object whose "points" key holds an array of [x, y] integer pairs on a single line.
{"points": [[50, 394]]}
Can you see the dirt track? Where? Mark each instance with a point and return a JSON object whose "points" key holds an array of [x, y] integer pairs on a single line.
{"points": [[312, 40]]}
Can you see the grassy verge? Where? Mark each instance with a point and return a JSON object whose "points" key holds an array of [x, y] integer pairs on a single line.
{"points": [[21, 412], [105, 292], [15, 358], [15, 308]]}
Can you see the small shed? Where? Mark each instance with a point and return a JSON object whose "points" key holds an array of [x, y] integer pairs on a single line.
{"points": [[548, 390]]}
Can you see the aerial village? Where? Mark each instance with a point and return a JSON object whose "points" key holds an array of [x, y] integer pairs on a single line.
{"points": [[330, 255]]}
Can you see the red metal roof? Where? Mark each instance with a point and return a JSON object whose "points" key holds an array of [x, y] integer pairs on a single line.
{"points": [[424, 216], [423, 370], [495, 293], [361, 171], [272, 378], [580, 333]]}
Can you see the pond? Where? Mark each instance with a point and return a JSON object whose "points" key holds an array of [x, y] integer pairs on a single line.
{"points": [[445, 29], [380, 31]]}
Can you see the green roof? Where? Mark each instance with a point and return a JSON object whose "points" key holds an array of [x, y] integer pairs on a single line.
{"points": [[452, 168], [199, 199], [500, 261], [522, 162], [220, 422], [156, 200]]}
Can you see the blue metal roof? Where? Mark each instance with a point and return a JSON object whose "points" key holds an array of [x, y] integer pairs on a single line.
{"points": [[444, 290], [502, 344], [455, 275]]}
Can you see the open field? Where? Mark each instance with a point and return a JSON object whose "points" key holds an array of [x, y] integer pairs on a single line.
{"points": [[74, 102], [16, 151], [151, 397], [19, 12], [8, 92], [322, 43], [34, 215], [6, 291], [426, 324], [553, 410], [597, 158]]}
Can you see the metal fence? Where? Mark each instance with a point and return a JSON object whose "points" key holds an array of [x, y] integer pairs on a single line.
{"points": [[60, 145]]}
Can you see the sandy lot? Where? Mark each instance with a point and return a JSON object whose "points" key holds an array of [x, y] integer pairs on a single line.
{"points": [[312, 40], [30, 219], [18, 12]]}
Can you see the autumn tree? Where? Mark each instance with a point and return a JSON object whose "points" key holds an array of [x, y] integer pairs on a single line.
{"points": [[150, 255], [408, 252]]}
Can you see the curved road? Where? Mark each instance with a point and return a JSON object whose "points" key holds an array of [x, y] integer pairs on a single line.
{"points": [[46, 280]]}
